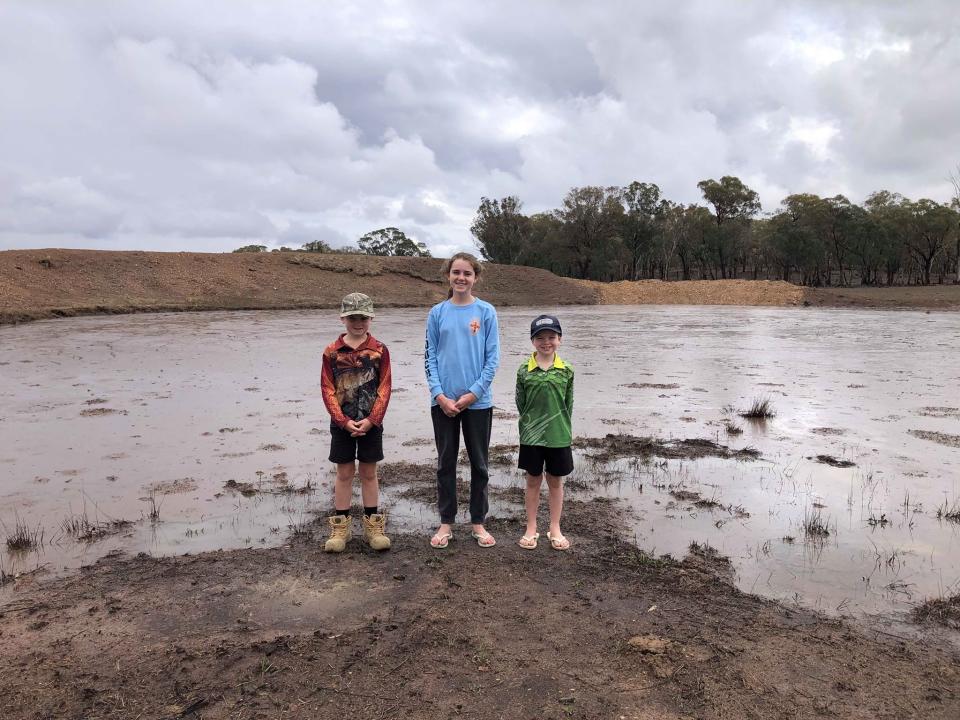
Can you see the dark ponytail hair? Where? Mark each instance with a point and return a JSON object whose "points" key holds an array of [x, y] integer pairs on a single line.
{"points": [[448, 263]]}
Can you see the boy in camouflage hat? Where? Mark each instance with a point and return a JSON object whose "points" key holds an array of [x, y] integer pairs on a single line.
{"points": [[356, 383]]}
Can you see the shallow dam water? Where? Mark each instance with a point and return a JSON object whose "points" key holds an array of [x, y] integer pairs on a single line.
{"points": [[111, 418]]}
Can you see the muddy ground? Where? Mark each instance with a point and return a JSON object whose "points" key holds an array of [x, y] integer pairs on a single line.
{"points": [[37, 284], [602, 631]]}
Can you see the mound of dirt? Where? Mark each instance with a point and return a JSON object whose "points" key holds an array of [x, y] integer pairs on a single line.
{"points": [[699, 292], [50, 283]]}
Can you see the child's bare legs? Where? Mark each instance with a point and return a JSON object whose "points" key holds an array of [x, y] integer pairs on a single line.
{"points": [[369, 487], [343, 487], [532, 502], [555, 499]]}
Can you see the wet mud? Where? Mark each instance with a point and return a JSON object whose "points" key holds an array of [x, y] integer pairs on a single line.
{"points": [[627, 446], [603, 630]]}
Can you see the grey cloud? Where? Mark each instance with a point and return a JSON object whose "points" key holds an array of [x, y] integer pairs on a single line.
{"points": [[299, 234], [171, 124], [419, 211]]}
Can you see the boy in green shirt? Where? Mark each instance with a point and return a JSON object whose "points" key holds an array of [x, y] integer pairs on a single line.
{"points": [[545, 402]]}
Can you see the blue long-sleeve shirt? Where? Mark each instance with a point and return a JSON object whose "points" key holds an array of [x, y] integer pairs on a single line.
{"points": [[463, 351]]}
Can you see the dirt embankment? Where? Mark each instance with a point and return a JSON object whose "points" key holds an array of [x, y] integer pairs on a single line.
{"points": [[55, 283], [601, 631], [38, 284], [699, 292]]}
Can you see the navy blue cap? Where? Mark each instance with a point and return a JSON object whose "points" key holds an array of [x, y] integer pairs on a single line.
{"points": [[545, 322]]}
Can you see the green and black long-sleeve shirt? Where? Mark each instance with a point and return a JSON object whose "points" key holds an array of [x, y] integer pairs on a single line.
{"points": [[545, 403]]}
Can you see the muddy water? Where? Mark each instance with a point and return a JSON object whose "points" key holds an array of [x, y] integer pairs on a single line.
{"points": [[111, 417]]}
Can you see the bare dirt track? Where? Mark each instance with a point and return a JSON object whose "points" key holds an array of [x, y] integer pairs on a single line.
{"points": [[603, 631], [37, 284]]}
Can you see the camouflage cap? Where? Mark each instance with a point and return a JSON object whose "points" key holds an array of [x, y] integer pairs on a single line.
{"points": [[356, 304]]}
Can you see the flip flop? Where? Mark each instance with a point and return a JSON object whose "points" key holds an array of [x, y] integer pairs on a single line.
{"points": [[484, 540], [529, 542], [558, 542], [441, 540]]}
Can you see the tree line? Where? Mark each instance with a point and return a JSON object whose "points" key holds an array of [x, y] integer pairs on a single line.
{"points": [[383, 242], [634, 233]]}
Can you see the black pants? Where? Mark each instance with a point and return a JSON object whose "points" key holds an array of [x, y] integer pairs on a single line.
{"points": [[476, 426]]}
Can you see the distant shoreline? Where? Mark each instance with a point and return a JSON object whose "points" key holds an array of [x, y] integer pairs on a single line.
{"points": [[50, 283]]}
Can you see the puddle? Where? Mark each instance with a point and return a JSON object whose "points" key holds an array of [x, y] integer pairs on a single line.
{"points": [[214, 423]]}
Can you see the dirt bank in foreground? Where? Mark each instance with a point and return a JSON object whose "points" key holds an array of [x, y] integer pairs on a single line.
{"points": [[38, 284], [603, 631]]}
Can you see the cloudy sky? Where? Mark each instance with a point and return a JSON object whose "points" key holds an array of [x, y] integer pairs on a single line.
{"points": [[187, 125]]}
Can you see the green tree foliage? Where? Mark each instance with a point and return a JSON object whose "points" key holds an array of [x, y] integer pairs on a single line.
{"points": [[591, 219], [955, 206], [501, 230], [927, 237], [734, 204], [634, 233], [391, 241], [316, 246], [890, 216], [251, 249], [641, 223]]}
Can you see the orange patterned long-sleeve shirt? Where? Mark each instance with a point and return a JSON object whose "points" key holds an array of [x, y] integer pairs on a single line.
{"points": [[356, 383]]}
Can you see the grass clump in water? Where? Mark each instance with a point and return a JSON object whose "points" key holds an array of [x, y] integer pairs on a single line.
{"points": [[814, 525], [23, 537], [949, 511], [760, 409], [82, 528]]}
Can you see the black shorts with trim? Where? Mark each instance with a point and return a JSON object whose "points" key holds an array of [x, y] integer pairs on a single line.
{"points": [[345, 448], [558, 461]]}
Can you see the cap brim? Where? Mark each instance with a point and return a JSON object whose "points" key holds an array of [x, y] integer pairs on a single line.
{"points": [[357, 312]]}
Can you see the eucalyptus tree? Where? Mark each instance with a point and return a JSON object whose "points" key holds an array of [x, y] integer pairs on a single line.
{"points": [[391, 241], [642, 207], [734, 204], [890, 215], [591, 219], [501, 230], [955, 204], [927, 236]]}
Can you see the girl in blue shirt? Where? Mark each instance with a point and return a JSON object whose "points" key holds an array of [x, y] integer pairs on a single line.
{"points": [[461, 357]]}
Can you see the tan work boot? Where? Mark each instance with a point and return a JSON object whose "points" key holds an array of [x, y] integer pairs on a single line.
{"points": [[340, 533], [373, 532]]}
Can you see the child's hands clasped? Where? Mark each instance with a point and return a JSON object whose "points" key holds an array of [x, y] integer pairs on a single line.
{"points": [[448, 406], [465, 401], [358, 428]]}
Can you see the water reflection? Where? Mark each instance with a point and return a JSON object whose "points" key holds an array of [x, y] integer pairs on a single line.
{"points": [[102, 414]]}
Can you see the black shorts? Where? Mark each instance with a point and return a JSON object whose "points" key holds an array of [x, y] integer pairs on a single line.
{"points": [[558, 461], [345, 448]]}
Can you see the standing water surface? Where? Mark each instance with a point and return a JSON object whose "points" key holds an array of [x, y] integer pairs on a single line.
{"points": [[109, 418]]}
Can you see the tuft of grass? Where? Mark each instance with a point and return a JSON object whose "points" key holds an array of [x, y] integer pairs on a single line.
{"points": [[814, 525], [760, 409], [82, 528], [942, 610], [949, 511], [153, 507], [23, 537], [733, 429], [77, 525]]}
